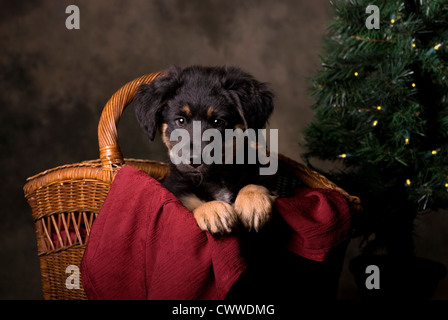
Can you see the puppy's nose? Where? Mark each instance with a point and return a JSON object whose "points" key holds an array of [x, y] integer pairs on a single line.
{"points": [[194, 161]]}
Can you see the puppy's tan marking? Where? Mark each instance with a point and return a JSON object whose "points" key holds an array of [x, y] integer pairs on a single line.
{"points": [[191, 201], [216, 217], [239, 126], [186, 110], [165, 138], [254, 206], [210, 112]]}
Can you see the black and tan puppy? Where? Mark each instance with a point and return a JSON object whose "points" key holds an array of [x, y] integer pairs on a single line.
{"points": [[195, 99]]}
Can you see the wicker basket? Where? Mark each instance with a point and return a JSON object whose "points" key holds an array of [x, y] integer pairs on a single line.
{"points": [[66, 200]]}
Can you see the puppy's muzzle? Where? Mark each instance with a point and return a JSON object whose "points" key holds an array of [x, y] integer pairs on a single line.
{"points": [[195, 161]]}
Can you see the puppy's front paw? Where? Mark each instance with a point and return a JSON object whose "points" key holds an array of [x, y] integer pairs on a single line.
{"points": [[254, 206], [216, 217]]}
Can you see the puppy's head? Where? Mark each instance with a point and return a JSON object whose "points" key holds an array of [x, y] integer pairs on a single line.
{"points": [[215, 97]]}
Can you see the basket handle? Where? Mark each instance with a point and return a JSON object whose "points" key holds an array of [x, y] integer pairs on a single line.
{"points": [[110, 153]]}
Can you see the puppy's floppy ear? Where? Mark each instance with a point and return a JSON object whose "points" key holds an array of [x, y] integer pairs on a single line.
{"points": [[254, 99], [151, 98]]}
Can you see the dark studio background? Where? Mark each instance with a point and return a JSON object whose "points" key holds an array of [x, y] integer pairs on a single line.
{"points": [[54, 83]]}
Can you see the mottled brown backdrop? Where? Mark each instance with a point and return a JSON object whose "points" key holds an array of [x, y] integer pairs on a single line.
{"points": [[54, 83]]}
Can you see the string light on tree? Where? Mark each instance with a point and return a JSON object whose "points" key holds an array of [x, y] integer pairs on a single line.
{"points": [[407, 138], [344, 155], [433, 50], [393, 18]]}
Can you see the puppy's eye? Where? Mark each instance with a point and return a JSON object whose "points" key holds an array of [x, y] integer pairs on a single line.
{"points": [[180, 122], [218, 123]]}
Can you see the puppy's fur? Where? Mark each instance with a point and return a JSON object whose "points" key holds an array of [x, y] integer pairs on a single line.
{"points": [[219, 195]]}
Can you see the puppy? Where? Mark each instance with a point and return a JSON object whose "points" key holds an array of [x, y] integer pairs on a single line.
{"points": [[220, 194]]}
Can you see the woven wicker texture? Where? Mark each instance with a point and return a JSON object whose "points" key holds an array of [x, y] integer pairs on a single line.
{"points": [[65, 200]]}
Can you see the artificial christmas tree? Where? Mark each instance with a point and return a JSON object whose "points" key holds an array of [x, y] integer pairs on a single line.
{"points": [[381, 107]]}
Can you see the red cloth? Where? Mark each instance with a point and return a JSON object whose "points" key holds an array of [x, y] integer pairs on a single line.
{"points": [[320, 221], [145, 244]]}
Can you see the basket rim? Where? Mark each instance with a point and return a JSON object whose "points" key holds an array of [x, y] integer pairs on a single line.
{"points": [[90, 163], [88, 169], [93, 169]]}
